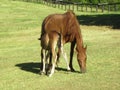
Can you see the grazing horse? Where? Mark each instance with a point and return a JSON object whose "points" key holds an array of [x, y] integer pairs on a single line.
{"points": [[67, 25], [49, 41]]}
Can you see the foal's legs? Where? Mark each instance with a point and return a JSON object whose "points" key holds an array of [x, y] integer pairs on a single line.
{"points": [[53, 44], [43, 57]]}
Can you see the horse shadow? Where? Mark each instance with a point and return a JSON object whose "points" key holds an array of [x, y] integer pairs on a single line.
{"points": [[110, 20], [30, 67], [34, 67]]}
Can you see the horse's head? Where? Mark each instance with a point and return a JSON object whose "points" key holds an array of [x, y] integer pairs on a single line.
{"points": [[82, 57]]}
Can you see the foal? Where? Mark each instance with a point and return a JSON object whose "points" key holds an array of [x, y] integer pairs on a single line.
{"points": [[49, 42]]}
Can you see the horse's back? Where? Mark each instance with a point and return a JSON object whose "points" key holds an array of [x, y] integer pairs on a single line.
{"points": [[54, 22]]}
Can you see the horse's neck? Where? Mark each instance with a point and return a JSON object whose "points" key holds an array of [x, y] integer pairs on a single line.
{"points": [[79, 43]]}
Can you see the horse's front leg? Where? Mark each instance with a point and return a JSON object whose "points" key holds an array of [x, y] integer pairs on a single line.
{"points": [[71, 55], [58, 56], [65, 57]]}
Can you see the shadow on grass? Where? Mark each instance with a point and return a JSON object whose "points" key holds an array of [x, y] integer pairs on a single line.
{"points": [[35, 67], [30, 67], [112, 20]]}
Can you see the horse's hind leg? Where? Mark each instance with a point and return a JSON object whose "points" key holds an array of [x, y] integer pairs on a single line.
{"points": [[47, 65], [43, 61], [53, 44], [41, 66], [53, 66], [54, 58]]}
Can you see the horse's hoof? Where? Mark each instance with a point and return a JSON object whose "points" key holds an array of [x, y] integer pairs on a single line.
{"points": [[72, 70], [68, 70], [41, 73], [48, 72], [83, 71], [50, 75]]}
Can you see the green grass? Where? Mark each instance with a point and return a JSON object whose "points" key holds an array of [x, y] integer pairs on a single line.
{"points": [[20, 25]]}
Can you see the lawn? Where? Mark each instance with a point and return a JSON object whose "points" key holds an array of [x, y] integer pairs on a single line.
{"points": [[20, 25]]}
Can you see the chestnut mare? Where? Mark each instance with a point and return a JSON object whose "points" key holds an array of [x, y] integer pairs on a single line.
{"points": [[68, 27]]}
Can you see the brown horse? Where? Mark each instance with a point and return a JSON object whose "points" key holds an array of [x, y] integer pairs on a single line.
{"points": [[49, 41], [67, 25]]}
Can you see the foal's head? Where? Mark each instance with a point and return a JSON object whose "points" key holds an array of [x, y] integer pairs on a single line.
{"points": [[82, 57]]}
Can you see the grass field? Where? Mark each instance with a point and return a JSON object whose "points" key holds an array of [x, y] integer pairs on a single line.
{"points": [[20, 25]]}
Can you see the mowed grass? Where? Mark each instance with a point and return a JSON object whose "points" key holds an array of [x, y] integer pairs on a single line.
{"points": [[20, 25]]}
